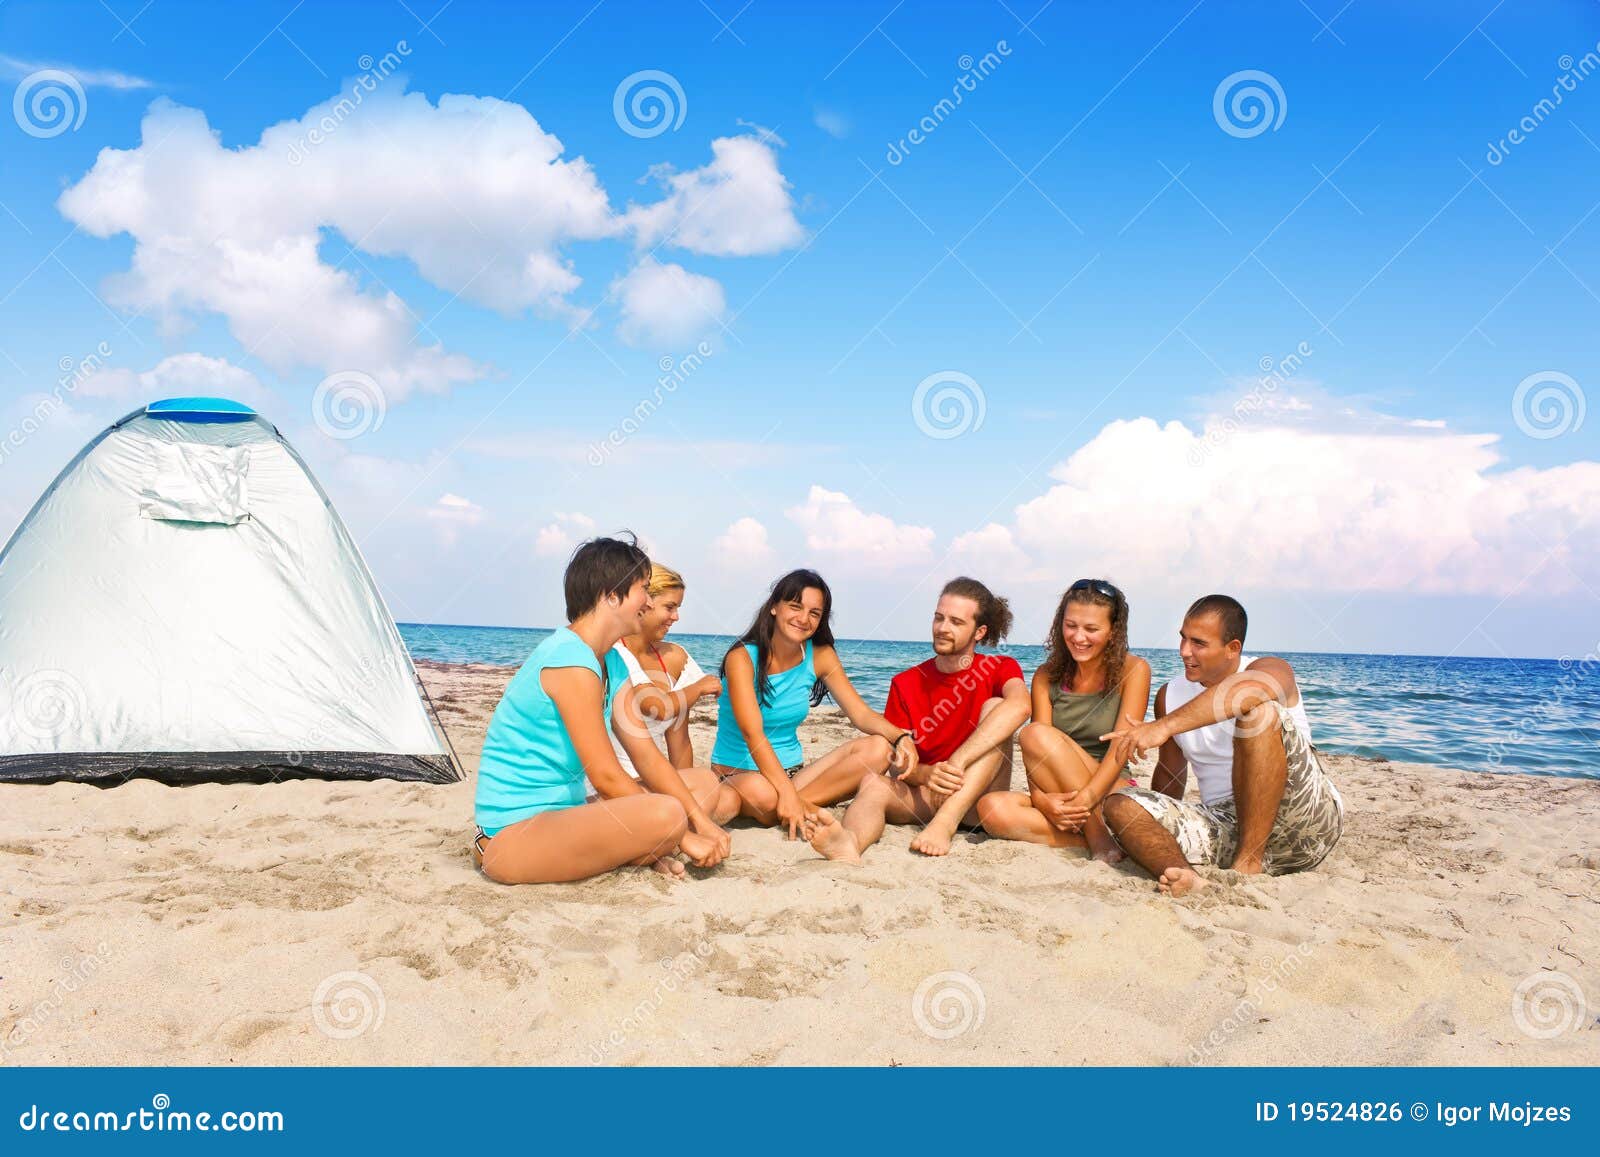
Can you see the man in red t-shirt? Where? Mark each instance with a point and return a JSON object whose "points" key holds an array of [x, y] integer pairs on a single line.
{"points": [[961, 709]]}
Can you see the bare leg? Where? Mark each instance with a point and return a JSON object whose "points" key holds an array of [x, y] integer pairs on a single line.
{"points": [[1260, 770], [716, 799], [757, 799], [1152, 847], [837, 775], [579, 842], [1056, 765], [1010, 815], [988, 774]]}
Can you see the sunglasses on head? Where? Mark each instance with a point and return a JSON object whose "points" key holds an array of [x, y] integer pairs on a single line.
{"points": [[1103, 589]]}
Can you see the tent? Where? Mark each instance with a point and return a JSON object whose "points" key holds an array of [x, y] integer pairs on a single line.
{"points": [[183, 603]]}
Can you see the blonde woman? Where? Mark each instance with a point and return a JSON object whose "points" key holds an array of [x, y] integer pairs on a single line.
{"points": [[666, 683]]}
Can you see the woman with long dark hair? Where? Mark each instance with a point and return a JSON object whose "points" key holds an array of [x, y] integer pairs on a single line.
{"points": [[1088, 687], [771, 679]]}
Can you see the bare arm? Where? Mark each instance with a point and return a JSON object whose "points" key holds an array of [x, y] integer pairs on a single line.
{"points": [[1132, 709], [1171, 775], [680, 748], [1266, 680], [580, 701], [996, 727], [867, 721]]}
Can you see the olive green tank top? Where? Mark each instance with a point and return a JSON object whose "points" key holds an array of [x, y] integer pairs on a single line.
{"points": [[1085, 718]]}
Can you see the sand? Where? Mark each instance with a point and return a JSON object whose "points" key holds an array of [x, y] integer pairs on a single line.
{"points": [[315, 923]]}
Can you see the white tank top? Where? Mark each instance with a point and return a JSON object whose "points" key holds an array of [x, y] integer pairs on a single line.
{"points": [[1209, 750], [639, 677]]}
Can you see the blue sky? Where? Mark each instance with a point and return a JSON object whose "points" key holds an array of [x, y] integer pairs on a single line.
{"points": [[1105, 258]]}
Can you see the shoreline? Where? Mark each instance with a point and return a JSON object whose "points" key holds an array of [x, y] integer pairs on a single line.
{"points": [[325, 923]]}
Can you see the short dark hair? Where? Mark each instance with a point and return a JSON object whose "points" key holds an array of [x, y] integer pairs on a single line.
{"points": [[601, 567], [994, 612], [1226, 608]]}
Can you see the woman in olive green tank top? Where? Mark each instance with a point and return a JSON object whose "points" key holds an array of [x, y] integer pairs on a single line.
{"points": [[1088, 687]]}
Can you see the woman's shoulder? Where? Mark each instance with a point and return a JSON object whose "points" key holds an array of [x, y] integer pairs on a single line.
{"points": [[1136, 663]]}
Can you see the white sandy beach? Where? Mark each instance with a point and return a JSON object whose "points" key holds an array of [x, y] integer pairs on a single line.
{"points": [[153, 925]]}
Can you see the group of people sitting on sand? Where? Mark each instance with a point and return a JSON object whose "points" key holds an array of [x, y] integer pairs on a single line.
{"points": [[587, 764]]}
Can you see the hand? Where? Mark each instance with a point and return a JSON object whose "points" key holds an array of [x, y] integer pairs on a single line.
{"points": [[702, 852], [1075, 807], [1135, 738], [708, 688], [704, 826], [903, 757], [793, 812], [945, 779]]}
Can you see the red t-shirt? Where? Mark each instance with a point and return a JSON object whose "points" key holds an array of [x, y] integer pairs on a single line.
{"points": [[941, 710]]}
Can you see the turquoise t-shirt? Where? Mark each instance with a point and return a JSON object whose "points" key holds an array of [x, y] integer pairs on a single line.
{"points": [[529, 764], [788, 705]]}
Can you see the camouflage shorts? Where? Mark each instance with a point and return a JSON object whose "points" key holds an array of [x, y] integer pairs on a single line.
{"points": [[1310, 816]]}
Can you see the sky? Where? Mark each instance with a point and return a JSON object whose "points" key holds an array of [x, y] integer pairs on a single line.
{"points": [[1294, 301]]}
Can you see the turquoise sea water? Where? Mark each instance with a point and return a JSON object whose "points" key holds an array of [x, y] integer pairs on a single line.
{"points": [[1531, 715]]}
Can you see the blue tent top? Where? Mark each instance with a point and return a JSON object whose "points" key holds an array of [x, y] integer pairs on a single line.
{"points": [[200, 410]]}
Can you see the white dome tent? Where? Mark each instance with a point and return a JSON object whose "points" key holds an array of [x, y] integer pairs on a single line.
{"points": [[183, 603]]}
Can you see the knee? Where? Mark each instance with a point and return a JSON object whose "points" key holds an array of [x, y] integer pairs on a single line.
{"points": [[873, 750], [993, 812], [989, 705], [1258, 723], [1119, 810], [666, 815], [1032, 739]]}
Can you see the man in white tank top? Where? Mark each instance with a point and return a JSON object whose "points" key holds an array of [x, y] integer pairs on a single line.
{"points": [[1239, 724]]}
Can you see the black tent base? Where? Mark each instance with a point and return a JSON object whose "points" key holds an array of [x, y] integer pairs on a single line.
{"points": [[108, 769]]}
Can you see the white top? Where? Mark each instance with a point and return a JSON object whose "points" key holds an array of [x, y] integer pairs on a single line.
{"points": [[1209, 750], [639, 677]]}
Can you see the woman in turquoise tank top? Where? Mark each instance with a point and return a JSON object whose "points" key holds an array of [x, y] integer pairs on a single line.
{"points": [[768, 679], [1088, 687], [550, 729]]}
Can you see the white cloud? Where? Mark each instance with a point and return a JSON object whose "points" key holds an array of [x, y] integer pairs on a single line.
{"points": [[832, 122], [471, 190], [836, 526], [88, 77], [666, 303], [558, 538], [1396, 508], [990, 550], [736, 206], [743, 547], [450, 514], [182, 375]]}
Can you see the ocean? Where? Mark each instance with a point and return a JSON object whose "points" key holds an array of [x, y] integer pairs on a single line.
{"points": [[1540, 716]]}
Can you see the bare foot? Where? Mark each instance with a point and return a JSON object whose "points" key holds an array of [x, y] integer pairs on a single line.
{"points": [[831, 839], [932, 841], [670, 867], [1177, 882], [1104, 848], [1110, 855], [1247, 867]]}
